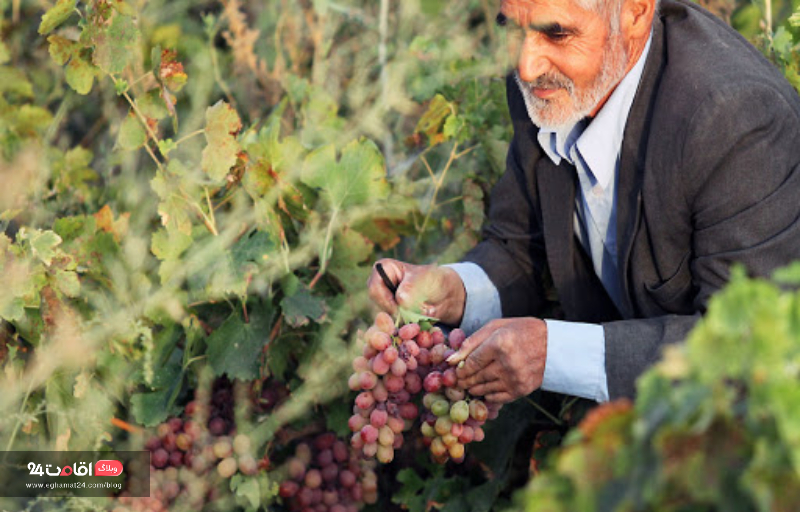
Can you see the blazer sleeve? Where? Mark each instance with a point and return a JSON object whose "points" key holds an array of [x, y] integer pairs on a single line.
{"points": [[739, 165]]}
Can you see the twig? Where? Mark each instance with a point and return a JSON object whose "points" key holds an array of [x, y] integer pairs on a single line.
{"points": [[187, 137], [437, 186], [124, 425], [544, 411]]}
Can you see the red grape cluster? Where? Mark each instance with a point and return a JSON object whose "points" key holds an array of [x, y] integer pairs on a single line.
{"points": [[396, 365], [452, 419], [326, 476], [387, 378], [189, 448]]}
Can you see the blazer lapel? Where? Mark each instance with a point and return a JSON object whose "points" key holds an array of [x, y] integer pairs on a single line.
{"points": [[580, 292], [632, 163], [557, 196]]}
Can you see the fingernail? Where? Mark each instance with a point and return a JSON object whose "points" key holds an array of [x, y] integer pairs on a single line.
{"points": [[452, 358]]}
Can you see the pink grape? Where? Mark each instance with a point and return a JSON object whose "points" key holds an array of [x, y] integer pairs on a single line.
{"points": [[409, 331], [378, 418], [379, 365], [425, 340], [384, 322], [365, 400], [360, 364], [456, 338], [379, 392], [433, 382], [380, 341], [367, 380], [399, 368], [369, 434], [394, 383], [413, 383], [313, 479], [437, 337], [449, 378], [390, 354]]}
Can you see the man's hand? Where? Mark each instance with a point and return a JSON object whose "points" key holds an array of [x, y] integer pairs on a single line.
{"points": [[504, 360], [432, 290]]}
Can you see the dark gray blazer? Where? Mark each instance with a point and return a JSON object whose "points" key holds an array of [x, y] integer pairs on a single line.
{"points": [[709, 175]]}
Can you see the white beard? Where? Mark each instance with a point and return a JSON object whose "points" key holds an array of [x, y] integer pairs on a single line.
{"points": [[555, 114]]}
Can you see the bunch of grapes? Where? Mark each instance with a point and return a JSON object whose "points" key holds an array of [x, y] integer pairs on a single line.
{"points": [[396, 366], [452, 419], [387, 377], [325, 476], [193, 446]]}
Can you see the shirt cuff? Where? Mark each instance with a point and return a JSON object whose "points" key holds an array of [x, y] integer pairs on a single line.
{"points": [[575, 363], [482, 298]]}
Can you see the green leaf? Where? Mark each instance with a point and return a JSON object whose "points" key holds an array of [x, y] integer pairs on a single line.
{"points": [[62, 49], [80, 74], [67, 283], [166, 146], [432, 120], [301, 307], [131, 133], [14, 81], [357, 178], [234, 349], [151, 408], [30, 119], [43, 245], [222, 126], [169, 244], [247, 488], [336, 416], [152, 105], [116, 45], [56, 15], [411, 317]]}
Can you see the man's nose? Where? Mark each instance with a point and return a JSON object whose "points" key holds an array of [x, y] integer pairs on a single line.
{"points": [[533, 59]]}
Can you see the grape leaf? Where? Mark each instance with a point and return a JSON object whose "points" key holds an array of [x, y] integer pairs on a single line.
{"points": [[14, 81], [169, 244], [61, 49], [56, 15], [432, 120], [336, 416], [29, 119], [80, 74], [248, 489], [234, 349], [43, 245], [222, 125], [357, 178], [301, 307], [67, 283], [151, 408], [131, 133], [409, 316], [171, 71], [116, 45]]}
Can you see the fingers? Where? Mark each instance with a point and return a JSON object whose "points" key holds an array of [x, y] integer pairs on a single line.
{"points": [[502, 397], [488, 388], [466, 349], [492, 371], [378, 291]]}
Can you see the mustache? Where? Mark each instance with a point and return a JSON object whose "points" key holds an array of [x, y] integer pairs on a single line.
{"points": [[551, 80]]}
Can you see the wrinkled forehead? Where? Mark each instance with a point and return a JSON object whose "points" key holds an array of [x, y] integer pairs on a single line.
{"points": [[529, 12]]}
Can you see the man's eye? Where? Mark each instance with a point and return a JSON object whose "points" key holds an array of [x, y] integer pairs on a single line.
{"points": [[556, 33]]}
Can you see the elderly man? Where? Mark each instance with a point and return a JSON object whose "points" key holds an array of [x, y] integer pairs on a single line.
{"points": [[653, 147]]}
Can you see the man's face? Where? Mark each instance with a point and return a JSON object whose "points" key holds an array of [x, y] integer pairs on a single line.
{"points": [[568, 59]]}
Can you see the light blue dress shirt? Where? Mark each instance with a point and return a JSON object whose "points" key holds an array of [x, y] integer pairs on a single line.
{"points": [[575, 363]]}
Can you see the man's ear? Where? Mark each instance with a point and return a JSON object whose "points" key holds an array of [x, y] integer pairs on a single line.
{"points": [[636, 18]]}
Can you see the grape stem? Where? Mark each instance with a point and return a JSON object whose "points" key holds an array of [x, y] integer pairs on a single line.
{"points": [[544, 411]]}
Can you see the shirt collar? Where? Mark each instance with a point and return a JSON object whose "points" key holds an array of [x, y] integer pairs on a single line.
{"points": [[598, 143]]}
